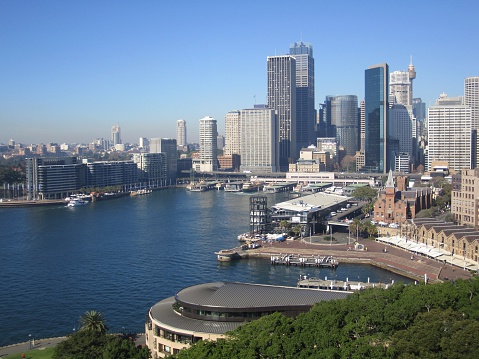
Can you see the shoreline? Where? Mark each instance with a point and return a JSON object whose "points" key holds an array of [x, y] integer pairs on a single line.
{"points": [[396, 260]]}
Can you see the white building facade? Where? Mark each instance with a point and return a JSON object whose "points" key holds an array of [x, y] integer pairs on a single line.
{"points": [[451, 134], [208, 160], [232, 133], [259, 140]]}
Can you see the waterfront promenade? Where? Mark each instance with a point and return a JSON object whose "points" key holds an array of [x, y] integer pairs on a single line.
{"points": [[394, 259]]}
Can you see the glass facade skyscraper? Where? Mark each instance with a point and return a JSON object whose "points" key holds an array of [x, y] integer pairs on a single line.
{"points": [[305, 114], [344, 119], [282, 99], [377, 156]]}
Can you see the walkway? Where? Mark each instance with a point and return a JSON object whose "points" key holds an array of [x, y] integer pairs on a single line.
{"points": [[394, 259]]}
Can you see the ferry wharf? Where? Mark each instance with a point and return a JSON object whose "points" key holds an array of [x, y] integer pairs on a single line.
{"points": [[375, 253]]}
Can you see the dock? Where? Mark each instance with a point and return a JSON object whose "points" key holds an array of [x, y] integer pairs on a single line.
{"points": [[304, 261], [333, 284]]}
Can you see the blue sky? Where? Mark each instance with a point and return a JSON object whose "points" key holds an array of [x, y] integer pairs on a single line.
{"points": [[70, 70]]}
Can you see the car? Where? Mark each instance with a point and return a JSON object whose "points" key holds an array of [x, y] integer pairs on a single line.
{"points": [[333, 214]]}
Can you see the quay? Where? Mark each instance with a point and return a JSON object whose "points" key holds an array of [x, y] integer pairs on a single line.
{"points": [[34, 203], [397, 260], [305, 261]]}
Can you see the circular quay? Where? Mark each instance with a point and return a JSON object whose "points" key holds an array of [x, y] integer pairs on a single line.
{"points": [[170, 187]]}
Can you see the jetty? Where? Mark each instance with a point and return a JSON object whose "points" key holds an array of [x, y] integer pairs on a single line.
{"points": [[304, 261]]}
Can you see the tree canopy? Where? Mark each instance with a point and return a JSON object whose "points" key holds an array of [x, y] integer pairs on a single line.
{"points": [[404, 321], [92, 341], [365, 193]]}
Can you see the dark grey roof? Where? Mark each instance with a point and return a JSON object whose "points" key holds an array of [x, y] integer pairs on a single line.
{"points": [[234, 296], [242, 295], [164, 313]]}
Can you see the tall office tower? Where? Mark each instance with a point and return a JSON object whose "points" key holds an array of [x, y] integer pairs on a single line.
{"points": [[259, 140], [208, 160], [377, 156], [282, 99], [400, 86], [169, 148], [400, 129], [451, 134], [325, 129], [471, 97], [232, 133], [419, 109], [344, 117], [115, 135], [305, 115], [181, 133], [362, 126]]}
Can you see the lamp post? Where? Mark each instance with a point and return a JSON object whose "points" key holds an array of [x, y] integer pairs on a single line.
{"points": [[29, 341]]}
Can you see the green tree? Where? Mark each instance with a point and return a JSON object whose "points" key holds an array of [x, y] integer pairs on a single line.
{"points": [[365, 193], [81, 345], [93, 321]]}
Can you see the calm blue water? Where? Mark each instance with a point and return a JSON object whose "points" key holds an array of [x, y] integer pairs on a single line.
{"points": [[122, 256]]}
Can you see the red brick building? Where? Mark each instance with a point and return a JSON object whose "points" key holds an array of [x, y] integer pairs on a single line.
{"points": [[396, 205]]}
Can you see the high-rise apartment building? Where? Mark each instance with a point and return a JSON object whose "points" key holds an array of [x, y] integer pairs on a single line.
{"points": [[377, 157], [232, 133], [152, 169], [282, 98], [305, 114], [344, 118], [259, 140], [115, 135], [208, 160], [167, 146], [181, 133], [451, 134]]}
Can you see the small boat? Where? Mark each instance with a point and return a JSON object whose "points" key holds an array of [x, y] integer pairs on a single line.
{"points": [[140, 192], [76, 202]]}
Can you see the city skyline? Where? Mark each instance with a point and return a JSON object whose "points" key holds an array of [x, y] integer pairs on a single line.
{"points": [[71, 71]]}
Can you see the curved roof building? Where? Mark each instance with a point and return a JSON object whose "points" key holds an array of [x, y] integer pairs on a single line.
{"points": [[207, 311]]}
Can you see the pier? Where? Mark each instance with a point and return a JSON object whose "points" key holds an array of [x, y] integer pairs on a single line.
{"points": [[304, 261]]}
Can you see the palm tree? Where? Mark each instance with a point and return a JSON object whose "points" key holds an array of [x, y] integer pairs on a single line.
{"points": [[93, 321]]}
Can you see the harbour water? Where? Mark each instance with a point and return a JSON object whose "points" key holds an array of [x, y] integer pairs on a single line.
{"points": [[122, 256]]}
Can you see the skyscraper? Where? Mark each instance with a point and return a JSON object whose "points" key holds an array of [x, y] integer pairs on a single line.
{"points": [[232, 133], [208, 160], [471, 97], [181, 133], [282, 98], [259, 140], [344, 117], [305, 114], [115, 135], [377, 158], [400, 86], [451, 134]]}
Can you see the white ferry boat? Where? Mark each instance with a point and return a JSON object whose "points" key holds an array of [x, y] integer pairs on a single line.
{"points": [[76, 202]]}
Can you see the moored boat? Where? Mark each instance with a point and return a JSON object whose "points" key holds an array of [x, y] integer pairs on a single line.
{"points": [[76, 202]]}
